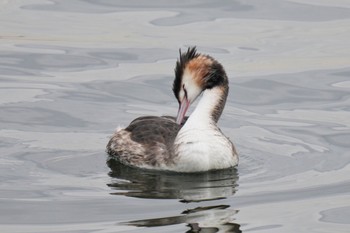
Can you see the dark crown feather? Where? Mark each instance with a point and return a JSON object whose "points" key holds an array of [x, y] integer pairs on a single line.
{"points": [[180, 67]]}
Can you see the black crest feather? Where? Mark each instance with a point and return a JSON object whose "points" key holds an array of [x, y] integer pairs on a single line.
{"points": [[180, 67]]}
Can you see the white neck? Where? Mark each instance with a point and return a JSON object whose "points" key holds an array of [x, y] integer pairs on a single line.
{"points": [[202, 117], [200, 145]]}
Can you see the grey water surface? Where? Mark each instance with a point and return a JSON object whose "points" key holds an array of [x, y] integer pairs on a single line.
{"points": [[73, 71]]}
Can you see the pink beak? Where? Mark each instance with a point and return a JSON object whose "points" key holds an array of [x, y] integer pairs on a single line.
{"points": [[182, 110]]}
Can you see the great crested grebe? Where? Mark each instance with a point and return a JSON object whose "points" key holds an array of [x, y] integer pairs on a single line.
{"points": [[192, 145]]}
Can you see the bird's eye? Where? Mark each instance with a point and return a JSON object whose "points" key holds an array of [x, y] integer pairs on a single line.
{"points": [[183, 87]]}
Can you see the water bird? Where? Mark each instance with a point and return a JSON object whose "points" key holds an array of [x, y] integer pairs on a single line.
{"points": [[182, 144]]}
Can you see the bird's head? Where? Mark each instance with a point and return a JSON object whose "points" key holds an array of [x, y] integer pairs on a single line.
{"points": [[194, 73]]}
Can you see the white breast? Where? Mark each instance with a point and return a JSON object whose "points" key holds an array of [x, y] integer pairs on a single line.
{"points": [[203, 150]]}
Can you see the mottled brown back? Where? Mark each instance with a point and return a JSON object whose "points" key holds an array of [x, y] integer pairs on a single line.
{"points": [[146, 141], [151, 129]]}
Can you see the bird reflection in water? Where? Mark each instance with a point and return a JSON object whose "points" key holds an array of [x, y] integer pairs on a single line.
{"points": [[187, 188]]}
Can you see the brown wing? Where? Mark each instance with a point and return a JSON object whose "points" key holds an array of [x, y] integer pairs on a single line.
{"points": [[147, 140], [151, 129]]}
